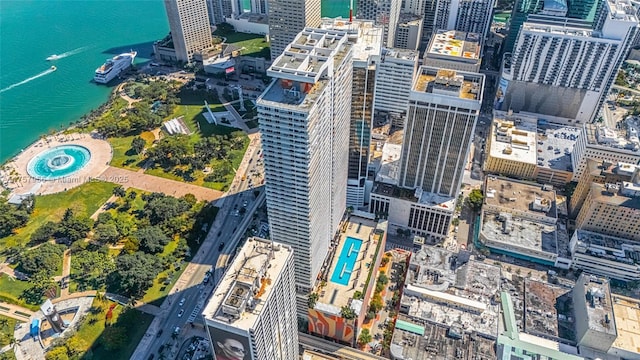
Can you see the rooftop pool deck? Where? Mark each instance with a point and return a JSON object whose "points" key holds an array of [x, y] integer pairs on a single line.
{"points": [[346, 261]]}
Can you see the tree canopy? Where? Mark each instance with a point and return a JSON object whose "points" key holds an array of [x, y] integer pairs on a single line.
{"points": [[45, 258], [134, 274], [151, 239], [475, 199]]}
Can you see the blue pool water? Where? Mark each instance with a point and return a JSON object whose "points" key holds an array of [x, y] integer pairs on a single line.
{"points": [[346, 261], [58, 162]]}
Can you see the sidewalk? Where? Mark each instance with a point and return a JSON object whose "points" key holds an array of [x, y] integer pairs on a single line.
{"points": [[15, 311]]}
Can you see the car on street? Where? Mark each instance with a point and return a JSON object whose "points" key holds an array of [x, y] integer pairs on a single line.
{"points": [[180, 312], [221, 246], [182, 301]]}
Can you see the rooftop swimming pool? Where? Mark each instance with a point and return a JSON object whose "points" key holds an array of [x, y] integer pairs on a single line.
{"points": [[346, 261]]}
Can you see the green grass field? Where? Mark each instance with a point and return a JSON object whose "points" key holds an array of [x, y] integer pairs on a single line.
{"points": [[90, 332], [7, 326], [84, 200], [10, 291], [253, 45], [123, 156]]}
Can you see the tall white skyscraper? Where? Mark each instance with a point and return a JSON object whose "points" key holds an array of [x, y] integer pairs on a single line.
{"points": [[304, 118], [394, 76], [190, 27], [251, 314], [287, 18], [472, 16], [565, 71], [443, 108]]}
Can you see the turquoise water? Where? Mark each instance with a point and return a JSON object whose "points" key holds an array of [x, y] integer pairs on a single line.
{"points": [[346, 261], [58, 162], [35, 100], [335, 8]]}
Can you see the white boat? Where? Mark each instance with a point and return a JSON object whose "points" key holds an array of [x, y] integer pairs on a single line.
{"points": [[113, 67], [53, 57], [53, 68]]}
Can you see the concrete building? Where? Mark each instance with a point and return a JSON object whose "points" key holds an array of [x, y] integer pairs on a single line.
{"points": [[455, 50], [570, 81], [366, 40], [189, 26], [425, 214], [250, 23], [512, 344], [511, 147], [394, 76], [287, 18], [612, 209], [383, 12], [472, 16], [408, 32], [524, 147], [604, 255], [626, 313], [600, 143], [219, 10], [252, 310], [361, 242], [593, 308], [443, 108], [520, 220], [447, 289], [600, 172], [306, 148]]}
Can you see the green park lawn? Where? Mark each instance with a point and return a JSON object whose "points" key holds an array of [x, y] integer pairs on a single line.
{"points": [[253, 45], [84, 200], [7, 326], [123, 156], [10, 291], [90, 331]]}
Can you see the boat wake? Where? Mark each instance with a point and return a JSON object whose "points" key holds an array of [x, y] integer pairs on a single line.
{"points": [[44, 73], [68, 53]]}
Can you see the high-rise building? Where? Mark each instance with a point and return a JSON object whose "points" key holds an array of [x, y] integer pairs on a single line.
{"points": [[443, 108], [612, 209], [383, 12], [464, 15], [366, 39], [595, 326], [287, 18], [564, 72], [251, 313], [394, 76], [304, 122], [219, 10], [190, 27], [600, 143], [428, 24], [408, 32]]}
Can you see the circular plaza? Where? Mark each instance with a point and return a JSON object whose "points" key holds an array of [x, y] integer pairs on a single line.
{"points": [[57, 163]]}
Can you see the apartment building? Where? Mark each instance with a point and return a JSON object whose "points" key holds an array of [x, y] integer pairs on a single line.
{"points": [[287, 18], [189, 26]]}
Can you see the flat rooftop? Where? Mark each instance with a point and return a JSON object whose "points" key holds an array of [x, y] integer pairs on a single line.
{"points": [[458, 84], [452, 44], [598, 302], [435, 343], [425, 198], [625, 138], [555, 145], [291, 96], [515, 142], [305, 59], [389, 164], [605, 193], [521, 233], [626, 312], [622, 10], [556, 29], [400, 54], [254, 18], [541, 316], [364, 35], [333, 296], [240, 296], [608, 247], [527, 198]]}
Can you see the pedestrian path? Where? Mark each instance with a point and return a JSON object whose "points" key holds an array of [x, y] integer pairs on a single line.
{"points": [[15, 311], [150, 183]]}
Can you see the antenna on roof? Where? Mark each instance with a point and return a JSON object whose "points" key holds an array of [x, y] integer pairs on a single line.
{"points": [[351, 11]]}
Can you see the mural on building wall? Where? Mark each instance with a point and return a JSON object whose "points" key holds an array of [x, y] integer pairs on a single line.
{"points": [[333, 326]]}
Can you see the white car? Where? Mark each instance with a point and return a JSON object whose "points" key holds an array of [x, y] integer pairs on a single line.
{"points": [[182, 301], [180, 312]]}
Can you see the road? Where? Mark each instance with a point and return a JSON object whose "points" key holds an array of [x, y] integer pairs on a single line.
{"points": [[217, 248]]}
